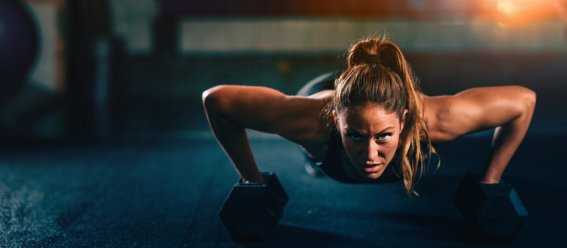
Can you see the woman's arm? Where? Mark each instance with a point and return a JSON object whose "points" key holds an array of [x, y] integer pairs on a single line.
{"points": [[509, 109], [231, 109]]}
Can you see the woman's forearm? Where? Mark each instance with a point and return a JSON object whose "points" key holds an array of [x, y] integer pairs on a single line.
{"points": [[234, 141], [506, 140]]}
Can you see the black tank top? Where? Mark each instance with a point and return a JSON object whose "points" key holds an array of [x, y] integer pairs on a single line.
{"points": [[333, 168]]}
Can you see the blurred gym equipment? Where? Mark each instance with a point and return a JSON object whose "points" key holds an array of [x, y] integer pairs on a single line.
{"points": [[18, 46]]}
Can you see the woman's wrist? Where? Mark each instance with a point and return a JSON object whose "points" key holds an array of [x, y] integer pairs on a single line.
{"points": [[489, 181]]}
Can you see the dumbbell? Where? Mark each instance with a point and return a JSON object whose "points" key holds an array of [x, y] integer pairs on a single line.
{"points": [[251, 211], [493, 212]]}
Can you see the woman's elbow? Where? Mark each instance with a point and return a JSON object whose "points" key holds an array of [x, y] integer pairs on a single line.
{"points": [[529, 98], [525, 101], [212, 97], [532, 98]]}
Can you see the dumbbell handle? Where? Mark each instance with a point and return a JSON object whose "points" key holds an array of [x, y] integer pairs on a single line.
{"points": [[246, 182], [266, 176]]}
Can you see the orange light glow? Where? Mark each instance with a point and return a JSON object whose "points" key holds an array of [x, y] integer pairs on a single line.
{"points": [[519, 11], [507, 7]]}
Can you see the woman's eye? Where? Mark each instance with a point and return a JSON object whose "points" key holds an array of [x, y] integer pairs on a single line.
{"points": [[355, 137], [384, 137]]}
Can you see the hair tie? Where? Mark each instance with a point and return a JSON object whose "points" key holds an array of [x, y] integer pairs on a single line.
{"points": [[374, 59]]}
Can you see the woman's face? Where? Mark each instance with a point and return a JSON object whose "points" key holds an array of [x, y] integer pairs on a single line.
{"points": [[370, 136]]}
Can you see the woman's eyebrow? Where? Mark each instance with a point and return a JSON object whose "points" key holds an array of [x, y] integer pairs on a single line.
{"points": [[385, 129], [351, 129], [354, 130]]}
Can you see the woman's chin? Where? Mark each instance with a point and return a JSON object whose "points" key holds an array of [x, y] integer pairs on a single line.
{"points": [[375, 175], [372, 175]]}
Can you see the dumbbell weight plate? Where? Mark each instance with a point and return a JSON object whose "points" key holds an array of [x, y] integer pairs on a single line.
{"points": [[494, 211], [251, 211]]}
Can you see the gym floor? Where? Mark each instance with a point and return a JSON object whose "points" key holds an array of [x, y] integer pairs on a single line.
{"points": [[156, 193]]}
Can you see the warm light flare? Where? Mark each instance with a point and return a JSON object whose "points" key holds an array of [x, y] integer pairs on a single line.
{"points": [[507, 7], [520, 11], [561, 7]]}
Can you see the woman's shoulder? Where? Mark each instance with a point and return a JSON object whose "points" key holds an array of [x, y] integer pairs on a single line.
{"points": [[309, 127], [317, 142], [445, 117]]}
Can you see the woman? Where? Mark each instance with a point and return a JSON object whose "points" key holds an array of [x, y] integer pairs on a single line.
{"points": [[375, 126]]}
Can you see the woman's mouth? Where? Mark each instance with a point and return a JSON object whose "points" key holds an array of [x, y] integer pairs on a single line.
{"points": [[372, 168]]}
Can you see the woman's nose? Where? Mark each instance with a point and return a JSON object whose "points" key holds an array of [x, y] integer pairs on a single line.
{"points": [[372, 150]]}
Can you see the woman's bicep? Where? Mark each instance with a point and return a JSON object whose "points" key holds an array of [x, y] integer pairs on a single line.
{"points": [[260, 108], [496, 106], [478, 109], [482, 108]]}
